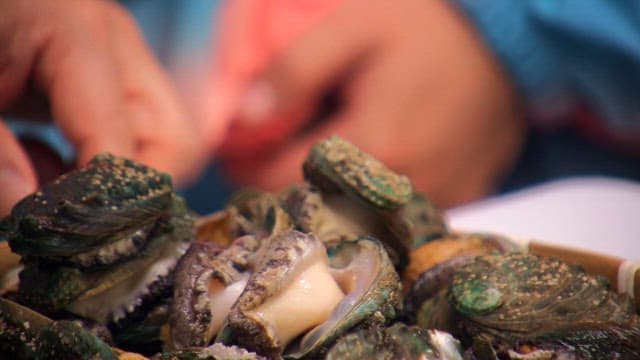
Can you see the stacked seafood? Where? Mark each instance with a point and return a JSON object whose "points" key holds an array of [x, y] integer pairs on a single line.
{"points": [[287, 274], [100, 243], [311, 272]]}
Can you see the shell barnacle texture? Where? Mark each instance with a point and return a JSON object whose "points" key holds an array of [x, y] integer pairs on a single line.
{"points": [[291, 274], [338, 163], [300, 298], [359, 196], [398, 341], [100, 242], [509, 300], [112, 200]]}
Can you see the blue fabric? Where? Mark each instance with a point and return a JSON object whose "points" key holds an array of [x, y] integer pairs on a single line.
{"points": [[566, 153], [176, 27], [566, 52]]}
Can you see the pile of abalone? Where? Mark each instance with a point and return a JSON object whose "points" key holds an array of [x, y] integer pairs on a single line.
{"points": [[114, 260]]}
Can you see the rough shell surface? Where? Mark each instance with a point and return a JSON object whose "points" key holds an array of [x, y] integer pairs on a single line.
{"points": [[303, 203], [272, 270], [206, 262], [451, 246], [334, 218], [65, 340], [253, 212], [378, 301], [335, 164], [425, 220], [506, 299], [398, 341], [51, 289], [26, 334], [190, 312], [89, 207], [19, 327], [216, 351]]}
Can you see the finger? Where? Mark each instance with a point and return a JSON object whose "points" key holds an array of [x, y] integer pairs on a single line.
{"points": [[303, 71], [78, 72], [283, 99], [165, 135], [282, 166], [17, 178], [16, 58], [370, 119], [424, 130], [413, 127]]}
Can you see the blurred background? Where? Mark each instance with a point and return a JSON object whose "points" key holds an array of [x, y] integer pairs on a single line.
{"points": [[184, 34]]}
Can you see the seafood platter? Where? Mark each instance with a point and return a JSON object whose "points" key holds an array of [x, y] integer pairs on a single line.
{"points": [[108, 262]]}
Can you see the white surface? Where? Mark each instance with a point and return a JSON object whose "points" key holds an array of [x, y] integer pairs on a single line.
{"points": [[599, 214]]}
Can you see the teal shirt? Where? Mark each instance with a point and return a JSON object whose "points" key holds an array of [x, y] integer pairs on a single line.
{"points": [[568, 53]]}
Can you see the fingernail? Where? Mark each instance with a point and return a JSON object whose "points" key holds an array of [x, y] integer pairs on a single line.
{"points": [[258, 103], [13, 187]]}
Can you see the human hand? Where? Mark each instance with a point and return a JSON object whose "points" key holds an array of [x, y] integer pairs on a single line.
{"points": [[251, 33], [102, 86], [418, 88]]}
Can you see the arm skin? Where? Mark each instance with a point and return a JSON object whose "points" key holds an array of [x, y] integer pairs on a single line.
{"points": [[438, 89], [418, 89], [103, 87]]}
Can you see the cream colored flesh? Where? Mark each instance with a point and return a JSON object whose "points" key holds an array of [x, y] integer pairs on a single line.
{"points": [[221, 300], [306, 302], [354, 272]]}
